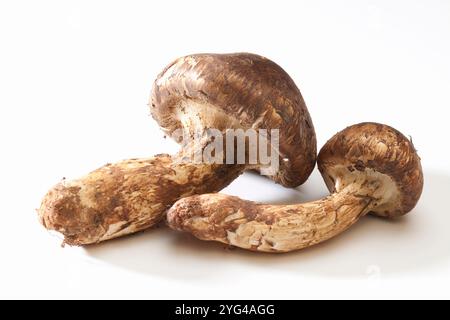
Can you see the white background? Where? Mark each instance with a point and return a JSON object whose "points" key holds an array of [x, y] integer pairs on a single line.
{"points": [[75, 77]]}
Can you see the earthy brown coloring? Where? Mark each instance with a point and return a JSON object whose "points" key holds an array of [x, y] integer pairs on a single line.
{"points": [[369, 167], [193, 93], [244, 91]]}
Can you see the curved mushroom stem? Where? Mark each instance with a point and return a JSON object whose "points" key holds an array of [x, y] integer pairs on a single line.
{"points": [[273, 228], [126, 197]]}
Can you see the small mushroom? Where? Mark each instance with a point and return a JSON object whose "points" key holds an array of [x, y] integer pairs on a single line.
{"points": [[194, 93], [369, 168]]}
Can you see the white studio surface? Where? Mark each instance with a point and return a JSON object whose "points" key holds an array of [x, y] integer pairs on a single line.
{"points": [[75, 77]]}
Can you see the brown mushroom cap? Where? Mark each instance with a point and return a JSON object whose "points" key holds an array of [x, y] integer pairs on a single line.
{"points": [[242, 90], [375, 152]]}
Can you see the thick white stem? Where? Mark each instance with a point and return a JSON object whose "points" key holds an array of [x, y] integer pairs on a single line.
{"points": [[272, 228]]}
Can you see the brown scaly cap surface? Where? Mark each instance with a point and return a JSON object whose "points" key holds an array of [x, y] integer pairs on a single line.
{"points": [[246, 91], [380, 148], [368, 167]]}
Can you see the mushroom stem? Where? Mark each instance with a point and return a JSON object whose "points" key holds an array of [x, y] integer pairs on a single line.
{"points": [[126, 197], [272, 228]]}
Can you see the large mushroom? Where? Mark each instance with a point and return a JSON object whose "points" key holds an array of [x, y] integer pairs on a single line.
{"points": [[369, 168], [194, 93]]}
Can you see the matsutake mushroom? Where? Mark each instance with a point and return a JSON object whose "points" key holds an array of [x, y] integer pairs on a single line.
{"points": [[369, 168], [193, 94]]}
